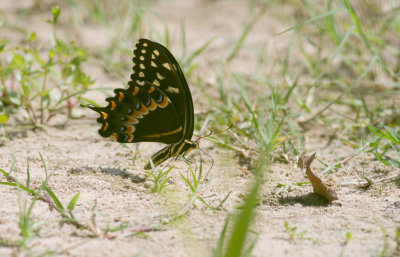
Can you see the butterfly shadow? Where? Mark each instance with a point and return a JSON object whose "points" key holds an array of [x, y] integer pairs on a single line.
{"points": [[309, 199], [110, 171]]}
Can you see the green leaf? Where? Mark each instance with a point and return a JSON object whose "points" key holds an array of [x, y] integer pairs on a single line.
{"points": [[3, 44], [32, 37], [3, 118], [241, 227], [356, 22], [5, 173], [72, 203], [51, 53], [218, 252], [187, 182], [56, 11], [199, 51], [323, 15], [392, 161], [55, 199], [30, 191], [18, 61], [392, 135]]}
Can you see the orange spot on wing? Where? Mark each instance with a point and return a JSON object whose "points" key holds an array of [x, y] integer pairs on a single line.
{"points": [[132, 121], [135, 91], [105, 115], [164, 103], [130, 138], [105, 126], [151, 90], [121, 96], [143, 110], [152, 105], [137, 114], [113, 105], [115, 136], [130, 129]]}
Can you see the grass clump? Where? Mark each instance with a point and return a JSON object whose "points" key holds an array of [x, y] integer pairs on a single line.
{"points": [[40, 84]]}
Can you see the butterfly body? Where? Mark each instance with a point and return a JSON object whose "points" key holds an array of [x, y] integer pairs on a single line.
{"points": [[156, 107]]}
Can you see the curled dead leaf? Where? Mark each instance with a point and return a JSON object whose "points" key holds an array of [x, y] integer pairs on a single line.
{"points": [[304, 162]]}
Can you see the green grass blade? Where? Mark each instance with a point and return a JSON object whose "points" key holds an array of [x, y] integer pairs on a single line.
{"points": [[199, 51], [330, 26], [392, 135], [250, 249], [391, 161], [12, 167], [30, 191], [247, 28], [356, 22], [5, 173], [219, 250], [241, 227], [312, 20], [44, 165], [55, 198], [375, 130], [73, 201], [187, 182]]}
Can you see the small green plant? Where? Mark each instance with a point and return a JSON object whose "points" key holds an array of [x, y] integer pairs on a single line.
{"points": [[392, 139], [195, 184], [160, 178], [348, 236], [292, 231], [38, 86], [28, 225]]}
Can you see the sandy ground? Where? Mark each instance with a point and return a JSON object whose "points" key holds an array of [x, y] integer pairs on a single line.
{"points": [[102, 171]]}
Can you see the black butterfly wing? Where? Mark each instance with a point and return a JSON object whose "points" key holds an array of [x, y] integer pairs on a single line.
{"points": [[163, 70], [156, 107], [135, 115]]}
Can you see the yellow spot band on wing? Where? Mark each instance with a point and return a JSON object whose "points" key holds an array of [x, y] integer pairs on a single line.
{"points": [[135, 91], [130, 129], [130, 138], [164, 103], [115, 135], [143, 110], [152, 105], [105, 126], [167, 66], [113, 105], [165, 133], [133, 120], [155, 82], [121, 96], [140, 82]]}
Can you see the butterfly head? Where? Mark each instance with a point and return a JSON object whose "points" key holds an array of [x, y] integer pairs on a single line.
{"points": [[191, 145]]}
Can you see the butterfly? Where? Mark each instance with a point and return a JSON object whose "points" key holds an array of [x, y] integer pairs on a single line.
{"points": [[156, 107]]}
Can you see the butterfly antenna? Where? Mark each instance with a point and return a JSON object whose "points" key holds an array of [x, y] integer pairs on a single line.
{"points": [[209, 134], [209, 156], [212, 163]]}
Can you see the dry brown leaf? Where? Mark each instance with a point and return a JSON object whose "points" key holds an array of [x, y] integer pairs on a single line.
{"points": [[318, 186]]}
